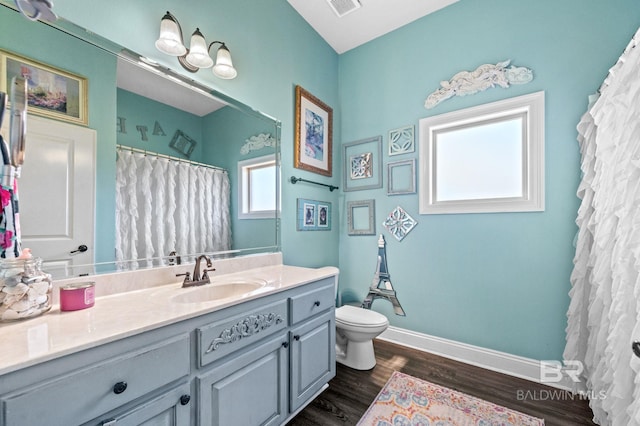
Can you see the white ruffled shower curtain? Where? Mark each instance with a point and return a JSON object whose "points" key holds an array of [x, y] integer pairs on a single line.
{"points": [[164, 205], [604, 313]]}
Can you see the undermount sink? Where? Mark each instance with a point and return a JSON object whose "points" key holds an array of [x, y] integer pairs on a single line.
{"points": [[218, 290]]}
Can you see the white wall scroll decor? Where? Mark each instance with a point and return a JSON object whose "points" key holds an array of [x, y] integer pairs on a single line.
{"points": [[484, 77], [362, 164], [401, 177], [401, 141], [257, 142], [399, 223]]}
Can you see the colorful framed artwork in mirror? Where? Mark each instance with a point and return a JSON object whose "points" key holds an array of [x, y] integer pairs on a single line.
{"points": [[51, 92], [313, 134]]}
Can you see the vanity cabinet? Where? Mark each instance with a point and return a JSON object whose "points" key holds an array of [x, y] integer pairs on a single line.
{"points": [[82, 394], [257, 362]]}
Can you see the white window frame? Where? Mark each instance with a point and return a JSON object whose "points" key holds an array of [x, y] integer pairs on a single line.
{"points": [[244, 167], [531, 108]]}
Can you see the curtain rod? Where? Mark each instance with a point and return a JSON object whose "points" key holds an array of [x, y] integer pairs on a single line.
{"points": [[168, 157]]}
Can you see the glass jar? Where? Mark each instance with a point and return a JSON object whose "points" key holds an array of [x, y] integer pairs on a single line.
{"points": [[25, 290]]}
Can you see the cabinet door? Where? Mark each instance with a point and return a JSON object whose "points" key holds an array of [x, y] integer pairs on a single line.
{"points": [[313, 358], [249, 390], [169, 409]]}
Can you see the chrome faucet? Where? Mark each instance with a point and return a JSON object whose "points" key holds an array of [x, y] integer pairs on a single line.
{"points": [[197, 279]]}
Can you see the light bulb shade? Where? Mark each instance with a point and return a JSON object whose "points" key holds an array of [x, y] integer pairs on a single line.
{"points": [[224, 66], [198, 53], [170, 39]]}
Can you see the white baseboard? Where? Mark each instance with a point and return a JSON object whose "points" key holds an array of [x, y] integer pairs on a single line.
{"points": [[513, 365]]}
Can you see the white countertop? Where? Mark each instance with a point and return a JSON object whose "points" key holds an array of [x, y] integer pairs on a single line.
{"points": [[55, 333]]}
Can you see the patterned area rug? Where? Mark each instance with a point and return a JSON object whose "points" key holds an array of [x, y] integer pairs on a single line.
{"points": [[408, 401]]}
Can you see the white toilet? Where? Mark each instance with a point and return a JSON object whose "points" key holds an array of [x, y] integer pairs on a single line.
{"points": [[355, 330]]}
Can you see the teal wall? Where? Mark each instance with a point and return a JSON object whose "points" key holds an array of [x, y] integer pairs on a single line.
{"points": [[499, 281], [140, 111], [231, 128], [219, 137], [274, 50], [19, 35]]}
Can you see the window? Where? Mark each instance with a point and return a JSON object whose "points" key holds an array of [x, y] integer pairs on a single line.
{"points": [[484, 159], [257, 195]]}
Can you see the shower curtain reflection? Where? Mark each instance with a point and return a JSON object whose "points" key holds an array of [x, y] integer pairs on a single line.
{"points": [[163, 205]]}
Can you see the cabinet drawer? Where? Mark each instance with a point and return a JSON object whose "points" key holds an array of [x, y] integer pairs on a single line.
{"points": [[313, 302], [88, 393], [230, 334]]}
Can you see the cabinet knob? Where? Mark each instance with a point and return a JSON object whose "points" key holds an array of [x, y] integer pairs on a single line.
{"points": [[119, 387], [316, 303], [285, 344], [296, 337], [635, 346], [184, 399]]}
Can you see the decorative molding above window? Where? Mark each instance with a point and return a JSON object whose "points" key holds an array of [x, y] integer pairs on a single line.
{"points": [[484, 159], [482, 78]]}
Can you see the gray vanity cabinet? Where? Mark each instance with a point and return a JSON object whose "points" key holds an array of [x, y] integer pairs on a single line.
{"points": [[250, 389], [312, 340], [253, 363], [170, 408]]}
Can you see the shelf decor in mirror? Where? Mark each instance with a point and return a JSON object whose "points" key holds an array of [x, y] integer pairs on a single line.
{"points": [[52, 92], [313, 134]]}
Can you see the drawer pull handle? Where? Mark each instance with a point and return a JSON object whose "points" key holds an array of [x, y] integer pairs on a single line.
{"points": [[296, 337], [119, 387], [635, 346], [285, 344], [184, 399], [316, 303]]}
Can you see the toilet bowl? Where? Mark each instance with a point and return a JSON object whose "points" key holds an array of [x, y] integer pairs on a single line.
{"points": [[355, 330]]}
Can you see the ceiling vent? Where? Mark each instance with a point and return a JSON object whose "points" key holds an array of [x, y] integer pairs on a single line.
{"points": [[344, 7]]}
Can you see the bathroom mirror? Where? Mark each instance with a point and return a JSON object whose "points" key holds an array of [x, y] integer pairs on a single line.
{"points": [[217, 127]]}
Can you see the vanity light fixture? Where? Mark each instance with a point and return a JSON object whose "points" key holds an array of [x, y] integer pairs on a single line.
{"points": [[197, 56]]}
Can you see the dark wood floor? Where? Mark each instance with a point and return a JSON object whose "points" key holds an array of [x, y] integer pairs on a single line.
{"points": [[351, 392]]}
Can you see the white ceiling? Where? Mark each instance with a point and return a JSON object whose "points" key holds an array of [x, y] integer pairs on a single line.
{"points": [[137, 79], [373, 19]]}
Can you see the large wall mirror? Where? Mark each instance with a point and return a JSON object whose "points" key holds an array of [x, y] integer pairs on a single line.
{"points": [[137, 112]]}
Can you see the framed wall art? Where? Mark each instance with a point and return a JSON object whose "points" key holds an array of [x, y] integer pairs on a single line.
{"points": [[401, 141], [313, 215], [313, 134], [401, 177], [182, 143], [361, 217], [362, 164], [51, 92]]}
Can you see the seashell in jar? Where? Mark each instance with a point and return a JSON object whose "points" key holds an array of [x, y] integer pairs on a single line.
{"points": [[21, 305], [10, 281], [18, 289], [10, 314], [40, 287]]}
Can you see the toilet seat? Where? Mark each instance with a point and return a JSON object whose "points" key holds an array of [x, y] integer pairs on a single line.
{"points": [[360, 317]]}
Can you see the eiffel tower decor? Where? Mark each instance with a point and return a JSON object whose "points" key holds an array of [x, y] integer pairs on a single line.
{"points": [[381, 287]]}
